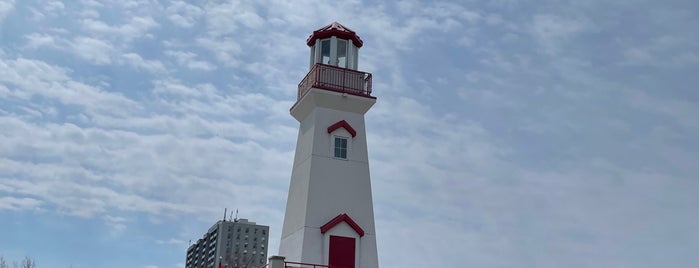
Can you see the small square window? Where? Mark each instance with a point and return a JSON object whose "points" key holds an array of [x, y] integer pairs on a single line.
{"points": [[341, 147]]}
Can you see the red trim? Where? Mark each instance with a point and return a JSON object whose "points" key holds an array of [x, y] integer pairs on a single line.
{"points": [[303, 264], [335, 29], [344, 124], [340, 218], [334, 90]]}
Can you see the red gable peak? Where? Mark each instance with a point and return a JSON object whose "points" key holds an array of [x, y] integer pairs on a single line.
{"points": [[340, 218], [344, 124]]}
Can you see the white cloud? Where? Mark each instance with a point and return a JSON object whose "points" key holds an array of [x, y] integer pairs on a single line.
{"points": [[171, 241], [552, 31], [188, 59], [638, 55], [184, 14], [678, 111], [669, 50], [94, 50], [138, 62], [84, 192], [54, 7], [5, 8], [135, 28], [36, 40], [225, 18], [683, 59], [12, 203], [227, 50], [30, 78], [117, 224]]}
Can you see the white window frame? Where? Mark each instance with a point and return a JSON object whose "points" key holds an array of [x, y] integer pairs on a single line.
{"points": [[347, 148]]}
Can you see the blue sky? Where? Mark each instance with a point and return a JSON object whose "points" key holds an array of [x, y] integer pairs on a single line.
{"points": [[506, 133]]}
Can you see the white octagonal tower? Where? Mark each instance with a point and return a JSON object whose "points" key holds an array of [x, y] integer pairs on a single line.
{"points": [[329, 216]]}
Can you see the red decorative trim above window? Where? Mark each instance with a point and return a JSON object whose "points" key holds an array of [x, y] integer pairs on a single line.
{"points": [[344, 124], [337, 220]]}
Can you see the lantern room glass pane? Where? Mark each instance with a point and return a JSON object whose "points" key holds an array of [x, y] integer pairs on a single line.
{"points": [[313, 55], [325, 51], [342, 53]]}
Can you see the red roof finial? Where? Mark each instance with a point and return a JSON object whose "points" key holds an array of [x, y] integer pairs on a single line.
{"points": [[335, 29]]}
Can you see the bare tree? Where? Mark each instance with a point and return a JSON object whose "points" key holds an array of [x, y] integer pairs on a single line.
{"points": [[3, 264], [241, 260], [28, 263]]}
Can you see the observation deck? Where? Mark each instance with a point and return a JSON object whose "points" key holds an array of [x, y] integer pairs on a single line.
{"points": [[332, 78]]}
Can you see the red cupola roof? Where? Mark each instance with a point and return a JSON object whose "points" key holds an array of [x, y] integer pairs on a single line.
{"points": [[335, 29]]}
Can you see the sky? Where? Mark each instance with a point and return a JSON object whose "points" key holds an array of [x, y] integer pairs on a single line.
{"points": [[506, 133]]}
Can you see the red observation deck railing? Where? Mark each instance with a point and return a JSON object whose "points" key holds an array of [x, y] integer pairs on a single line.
{"points": [[336, 79], [288, 264]]}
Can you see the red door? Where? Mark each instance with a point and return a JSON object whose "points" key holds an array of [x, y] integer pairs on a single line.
{"points": [[341, 252]]}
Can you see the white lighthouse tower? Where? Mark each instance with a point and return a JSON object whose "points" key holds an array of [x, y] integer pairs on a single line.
{"points": [[329, 216]]}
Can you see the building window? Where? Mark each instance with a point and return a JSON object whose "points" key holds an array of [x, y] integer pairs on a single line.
{"points": [[341, 53], [325, 51], [341, 147]]}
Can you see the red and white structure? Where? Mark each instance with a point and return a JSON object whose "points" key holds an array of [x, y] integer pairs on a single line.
{"points": [[329, 218]]}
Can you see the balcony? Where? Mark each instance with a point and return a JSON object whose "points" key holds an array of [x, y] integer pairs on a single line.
{"points": [[336, 79]]}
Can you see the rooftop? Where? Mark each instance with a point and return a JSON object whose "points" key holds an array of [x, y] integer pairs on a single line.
{"points": [[335, 29]]}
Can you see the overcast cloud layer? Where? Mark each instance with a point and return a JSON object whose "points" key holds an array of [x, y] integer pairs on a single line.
{"points": [[506, 133]]}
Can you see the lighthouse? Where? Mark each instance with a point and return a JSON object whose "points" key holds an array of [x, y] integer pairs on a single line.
{"points": [[329, 218]]}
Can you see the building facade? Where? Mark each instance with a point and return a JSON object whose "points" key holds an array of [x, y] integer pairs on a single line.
{"points": [[231, 244]]}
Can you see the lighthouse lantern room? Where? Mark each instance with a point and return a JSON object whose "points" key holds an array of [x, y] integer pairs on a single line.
{"points": [[329, 218], [334, 45]]}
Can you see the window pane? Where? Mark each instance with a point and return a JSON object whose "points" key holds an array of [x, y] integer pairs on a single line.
{"points": [[313, 55], [342, 53], [340, 147], [325, 51]]}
